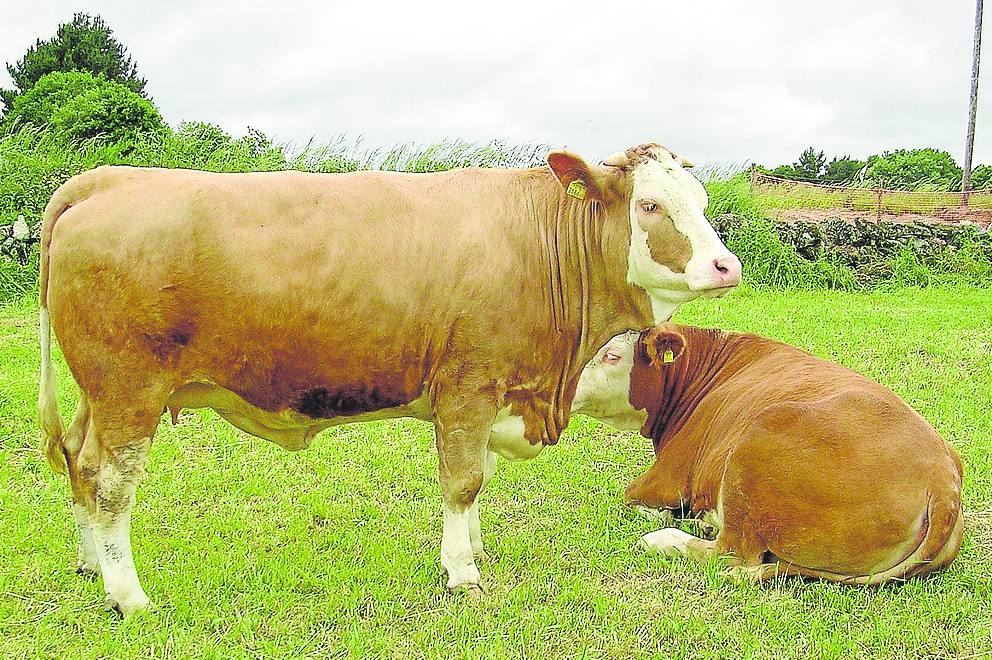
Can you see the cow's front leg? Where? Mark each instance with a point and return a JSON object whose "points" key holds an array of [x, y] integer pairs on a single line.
{"points": [[475, 524], [463, 429]]}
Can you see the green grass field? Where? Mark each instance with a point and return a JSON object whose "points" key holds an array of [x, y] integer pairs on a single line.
{"points": [[250, 551]]}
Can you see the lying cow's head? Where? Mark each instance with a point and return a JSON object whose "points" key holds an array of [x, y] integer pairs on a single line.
{"points": [[674, 254], [605, 389]]}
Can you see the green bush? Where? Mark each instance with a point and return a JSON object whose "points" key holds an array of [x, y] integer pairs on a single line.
{"points": [[981, 177], [914, 168], [39, 104], [111, 113], [79, 106]]}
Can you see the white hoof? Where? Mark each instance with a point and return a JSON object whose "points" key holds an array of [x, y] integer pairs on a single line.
{"points": [[465, 576], [129, 605], [669, 542]]}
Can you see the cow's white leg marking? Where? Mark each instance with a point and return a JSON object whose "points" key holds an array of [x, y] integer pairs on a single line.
{"points": [[88, 563], [669, 542], [110, 526], [475, 526], [456, 549]]}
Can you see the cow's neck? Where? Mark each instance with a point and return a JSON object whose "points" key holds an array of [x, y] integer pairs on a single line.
{"points": [[708, 360], [585, 263], [586, 257]]}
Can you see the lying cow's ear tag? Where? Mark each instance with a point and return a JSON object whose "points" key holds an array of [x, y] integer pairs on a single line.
{"points": [[669, 356], [576, 189]]}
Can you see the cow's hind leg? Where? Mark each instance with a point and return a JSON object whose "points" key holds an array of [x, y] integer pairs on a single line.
{"points": [[87, 563], [109, 465]]}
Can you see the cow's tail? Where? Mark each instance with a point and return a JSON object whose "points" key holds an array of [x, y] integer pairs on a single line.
{"points": [[68, 194], [48, 404]]}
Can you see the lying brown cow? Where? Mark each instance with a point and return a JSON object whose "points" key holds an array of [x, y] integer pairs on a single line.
{"points": [[291, 302], [802, 465]]}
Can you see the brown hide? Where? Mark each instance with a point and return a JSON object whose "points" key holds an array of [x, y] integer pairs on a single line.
{"points": [[811, 466]]}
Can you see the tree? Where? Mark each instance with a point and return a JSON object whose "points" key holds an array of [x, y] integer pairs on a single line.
{"points": [[812, 164], [910, 168], [85, 44], [786, 172], [843, 170]]}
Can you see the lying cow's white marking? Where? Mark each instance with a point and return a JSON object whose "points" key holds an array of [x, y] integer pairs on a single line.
{"points": [[603, 392], [669, 542]]}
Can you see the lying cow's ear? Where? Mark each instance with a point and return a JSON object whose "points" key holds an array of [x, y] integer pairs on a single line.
{"points": [[663, 346], [578, 179]]}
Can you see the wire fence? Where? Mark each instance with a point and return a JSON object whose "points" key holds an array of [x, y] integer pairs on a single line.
{"points": [[778, 193]]}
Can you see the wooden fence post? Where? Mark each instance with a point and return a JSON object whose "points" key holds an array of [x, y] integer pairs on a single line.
{"points": [[754, 176], [878, 206]]}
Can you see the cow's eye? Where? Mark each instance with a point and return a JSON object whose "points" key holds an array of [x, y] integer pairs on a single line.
{"points": [[649, 207]]}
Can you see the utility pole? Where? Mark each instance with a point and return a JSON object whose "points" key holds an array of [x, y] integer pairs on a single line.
{"points": [[969, 144]]}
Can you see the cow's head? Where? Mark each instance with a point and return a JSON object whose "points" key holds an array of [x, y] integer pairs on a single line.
{"points": [[603, 391], [674, 253], [624, 380]]}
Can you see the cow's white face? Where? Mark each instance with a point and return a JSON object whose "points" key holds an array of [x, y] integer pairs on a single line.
{"points": [[675, 255], [603, 391]]}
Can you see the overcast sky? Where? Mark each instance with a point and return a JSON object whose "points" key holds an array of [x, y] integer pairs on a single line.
{"points": [[720, 81]]}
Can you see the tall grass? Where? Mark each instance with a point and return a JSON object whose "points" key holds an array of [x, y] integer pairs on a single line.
{"points": [[34, 162], [771, 263]]}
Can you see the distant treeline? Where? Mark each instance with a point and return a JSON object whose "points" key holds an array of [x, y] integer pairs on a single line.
{"points": [[903, 169]]}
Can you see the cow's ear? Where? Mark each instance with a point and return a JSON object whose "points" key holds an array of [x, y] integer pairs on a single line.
{"points": [[576, 177], [663, 346]]}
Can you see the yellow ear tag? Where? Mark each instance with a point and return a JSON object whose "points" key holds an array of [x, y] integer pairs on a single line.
{"points": [[576, 189], [668, 357]]}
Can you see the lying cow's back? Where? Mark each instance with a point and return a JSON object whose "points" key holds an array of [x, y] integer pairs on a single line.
{"points": [[756, 376]]}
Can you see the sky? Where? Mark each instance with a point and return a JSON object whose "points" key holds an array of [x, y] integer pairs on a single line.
{"points": [[723, 82]]}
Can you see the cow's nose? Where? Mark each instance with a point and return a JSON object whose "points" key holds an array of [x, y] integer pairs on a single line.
{"points": [[728, 268]]}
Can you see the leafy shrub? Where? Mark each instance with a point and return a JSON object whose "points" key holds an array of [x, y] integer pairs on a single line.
{"points": [[80, 106], [981, 177], [843, 170], [39, 104], [111, 113], [914, 168]]}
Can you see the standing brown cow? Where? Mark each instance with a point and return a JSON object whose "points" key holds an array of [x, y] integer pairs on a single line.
{"points": [[290, 302]]}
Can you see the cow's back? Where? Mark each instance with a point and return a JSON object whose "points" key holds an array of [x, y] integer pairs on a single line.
{"points": [[324, 292]]}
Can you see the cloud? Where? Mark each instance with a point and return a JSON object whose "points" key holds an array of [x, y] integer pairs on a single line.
{"points": [[721, 82]]}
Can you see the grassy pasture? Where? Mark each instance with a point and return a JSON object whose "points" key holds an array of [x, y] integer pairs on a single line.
{"points": [[249, 551]]}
